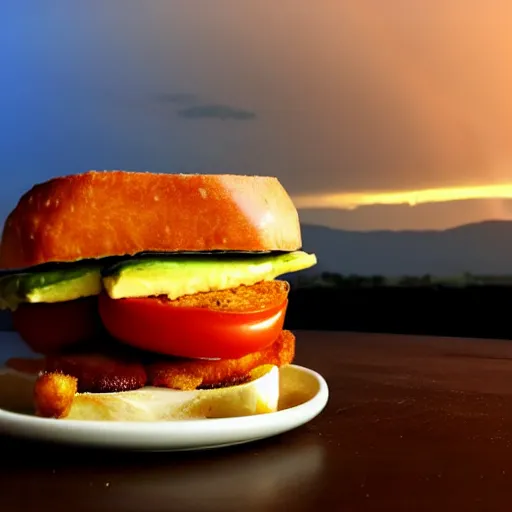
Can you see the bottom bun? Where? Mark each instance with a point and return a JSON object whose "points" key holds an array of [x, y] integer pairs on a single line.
{"points": [[259, 395]]}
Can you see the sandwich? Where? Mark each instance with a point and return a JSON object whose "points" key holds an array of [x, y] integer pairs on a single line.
{"points": [[144, 295]]}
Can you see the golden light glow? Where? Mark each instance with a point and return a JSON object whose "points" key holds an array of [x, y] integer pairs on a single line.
{"points": [[352, 200]]}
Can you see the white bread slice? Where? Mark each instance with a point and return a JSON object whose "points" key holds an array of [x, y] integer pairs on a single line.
{"points": [[258, 396]]}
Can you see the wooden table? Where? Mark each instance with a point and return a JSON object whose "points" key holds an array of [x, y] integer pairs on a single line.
{"points": [[412, 424]]}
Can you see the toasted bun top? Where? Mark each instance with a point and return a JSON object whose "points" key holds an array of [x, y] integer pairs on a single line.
{"points": [[113, 213]]}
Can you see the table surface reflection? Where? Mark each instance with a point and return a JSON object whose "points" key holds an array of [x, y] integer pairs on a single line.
{"points": [[413, 423]]}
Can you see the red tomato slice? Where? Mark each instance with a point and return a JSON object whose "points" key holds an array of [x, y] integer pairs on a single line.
{"points": [[157, 326], [48, 328]]}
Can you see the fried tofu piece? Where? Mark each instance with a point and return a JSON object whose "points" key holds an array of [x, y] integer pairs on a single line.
{"points": [[54, 394]]}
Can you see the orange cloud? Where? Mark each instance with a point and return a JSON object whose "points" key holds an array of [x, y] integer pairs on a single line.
{"points": [[352, 200]]}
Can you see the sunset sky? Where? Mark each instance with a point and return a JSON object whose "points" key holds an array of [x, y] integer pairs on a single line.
{"points": [[374, 114]]}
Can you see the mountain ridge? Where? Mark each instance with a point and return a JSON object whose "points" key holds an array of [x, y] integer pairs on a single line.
{"points": [[479, 248]]}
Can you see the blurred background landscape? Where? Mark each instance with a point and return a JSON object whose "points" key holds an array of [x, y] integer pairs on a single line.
{"points": [[389, 123]]}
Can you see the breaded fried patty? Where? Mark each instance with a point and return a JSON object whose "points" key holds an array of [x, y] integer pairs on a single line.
{"points": [[192, 374]]}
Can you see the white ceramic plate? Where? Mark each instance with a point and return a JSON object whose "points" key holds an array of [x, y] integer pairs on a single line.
{"points": [[304, 394]]}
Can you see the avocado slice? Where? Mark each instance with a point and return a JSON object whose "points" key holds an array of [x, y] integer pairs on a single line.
{"points": [[49, 286], [178, 276]]}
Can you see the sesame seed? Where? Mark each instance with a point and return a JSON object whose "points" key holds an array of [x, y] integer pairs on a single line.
{"points": [[203, 193]]}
